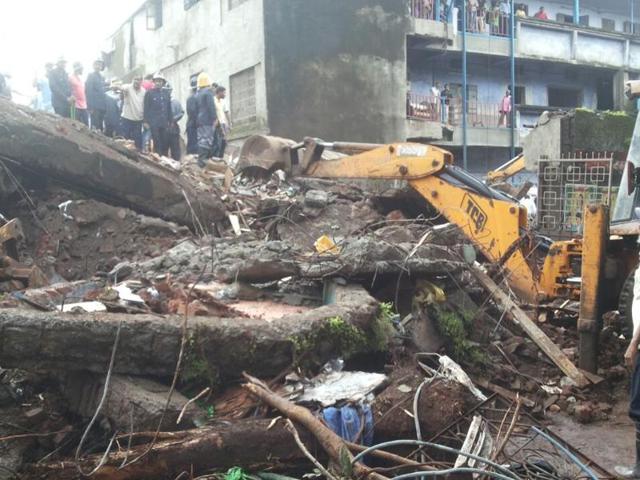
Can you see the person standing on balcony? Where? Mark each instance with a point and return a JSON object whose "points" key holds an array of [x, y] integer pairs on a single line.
{"points": [[445, 96], [505, 109], [541, 14], [505, 14], [435, 102], [494, 17], [472, 15], [482, 16]]}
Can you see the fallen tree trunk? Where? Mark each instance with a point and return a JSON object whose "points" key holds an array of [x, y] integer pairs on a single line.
{"points": [[149, 344], [248, 444], [67, 151]]}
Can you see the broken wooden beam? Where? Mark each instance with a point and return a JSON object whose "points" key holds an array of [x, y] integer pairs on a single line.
{"points": [[64, 150], [520, 318]]}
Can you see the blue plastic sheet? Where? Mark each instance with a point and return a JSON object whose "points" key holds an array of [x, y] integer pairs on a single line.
{"points": [[347, 422]]}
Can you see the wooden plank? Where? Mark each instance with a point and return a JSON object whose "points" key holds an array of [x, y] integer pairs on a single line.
{"points": [[503, 392], [520, 318]]}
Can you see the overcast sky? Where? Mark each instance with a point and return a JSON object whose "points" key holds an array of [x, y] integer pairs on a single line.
{"points": [[33, 32]]}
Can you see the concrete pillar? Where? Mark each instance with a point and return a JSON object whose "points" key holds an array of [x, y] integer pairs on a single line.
{"points": [[619, 79]]}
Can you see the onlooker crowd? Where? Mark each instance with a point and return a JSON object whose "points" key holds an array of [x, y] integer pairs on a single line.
{"points": [[483, 16], [143, 111]]}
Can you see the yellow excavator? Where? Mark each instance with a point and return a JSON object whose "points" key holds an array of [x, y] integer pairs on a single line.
{"points": [[496, 224]]}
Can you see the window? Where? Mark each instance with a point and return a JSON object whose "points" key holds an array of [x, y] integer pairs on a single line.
{"points": [[189, 3], [564, 97], [154, 14], [520, 95], [562, 18], [627, 27], [243, 96], [234, 3], [608, 24]]}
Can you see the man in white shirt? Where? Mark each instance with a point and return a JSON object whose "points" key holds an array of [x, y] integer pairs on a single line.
{"points": [[133, 111], [222, 122]]}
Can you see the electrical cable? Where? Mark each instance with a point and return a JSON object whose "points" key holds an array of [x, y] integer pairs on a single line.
{"points": [[380, 446], [97, 412]]}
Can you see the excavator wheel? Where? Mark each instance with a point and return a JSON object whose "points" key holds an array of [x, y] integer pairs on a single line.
{"points": [[625, 304]]}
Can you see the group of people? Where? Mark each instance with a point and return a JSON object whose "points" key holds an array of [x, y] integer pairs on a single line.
{"points": [[143, 111], [488, 16]]}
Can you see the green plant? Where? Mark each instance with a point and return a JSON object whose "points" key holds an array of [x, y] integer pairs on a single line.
{"points": [[196, 369], [345, 339], [456, 327]]}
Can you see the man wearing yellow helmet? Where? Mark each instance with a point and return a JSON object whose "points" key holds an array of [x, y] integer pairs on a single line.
{"points": [[206, 118]]}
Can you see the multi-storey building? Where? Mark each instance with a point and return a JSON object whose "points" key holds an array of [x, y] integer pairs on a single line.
{"points": [[363, 70]]}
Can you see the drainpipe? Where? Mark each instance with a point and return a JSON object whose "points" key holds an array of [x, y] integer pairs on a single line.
{"points": [[632, 15], [512, 54], [576, 12], [437, 15], [465, 162]]}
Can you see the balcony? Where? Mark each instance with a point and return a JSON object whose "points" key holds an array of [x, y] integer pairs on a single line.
{"points": [[535, 39], [548, 40], [486, 126]]}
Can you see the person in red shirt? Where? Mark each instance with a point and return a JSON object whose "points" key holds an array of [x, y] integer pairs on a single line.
{"points": [[541, 14], [78, 93]]}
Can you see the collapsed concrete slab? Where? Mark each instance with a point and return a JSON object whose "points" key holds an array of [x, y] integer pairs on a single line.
{"points": [[66, 151], [217, 347]]}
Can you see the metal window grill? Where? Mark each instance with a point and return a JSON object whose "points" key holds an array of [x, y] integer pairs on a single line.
{"points": [[567, 185]]}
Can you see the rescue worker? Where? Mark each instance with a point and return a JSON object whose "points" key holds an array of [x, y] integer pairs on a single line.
{"points": [[192, 113], [157, 114], [133, 113], [222, 123], [206, 119], [61, 97], [95, 88]]}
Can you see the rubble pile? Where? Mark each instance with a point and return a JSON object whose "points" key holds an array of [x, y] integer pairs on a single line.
{"points": [[162, 292]]}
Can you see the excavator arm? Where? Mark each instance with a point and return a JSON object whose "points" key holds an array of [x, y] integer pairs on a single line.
{"points": [[494, 222]]}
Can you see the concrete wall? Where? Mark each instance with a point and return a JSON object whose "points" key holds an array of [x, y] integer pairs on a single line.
{"points": [[595, 13], [337, 69], [207, 37]]}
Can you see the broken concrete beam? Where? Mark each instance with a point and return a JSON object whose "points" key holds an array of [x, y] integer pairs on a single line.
{"points": [[129, 399], [259, 261], [225, 347], [67, 151]]}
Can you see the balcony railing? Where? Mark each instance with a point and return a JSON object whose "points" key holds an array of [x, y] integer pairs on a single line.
{"points": [[449, 111], [488, 23], [424, 9], [479, 114], [424, 107]]}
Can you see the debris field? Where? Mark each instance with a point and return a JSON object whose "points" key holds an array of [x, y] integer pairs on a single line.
{"points": [[158, 320]]}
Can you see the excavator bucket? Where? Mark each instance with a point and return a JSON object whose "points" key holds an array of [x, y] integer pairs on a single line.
{"points": [[261, 152]]}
